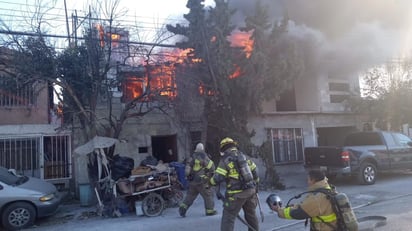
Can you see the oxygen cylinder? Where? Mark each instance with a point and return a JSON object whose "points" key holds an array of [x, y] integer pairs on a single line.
{"points": [[244, 169], [347, 213]]}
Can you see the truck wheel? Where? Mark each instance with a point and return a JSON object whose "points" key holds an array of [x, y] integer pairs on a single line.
{"points": [[367, 174], [18, 215]]}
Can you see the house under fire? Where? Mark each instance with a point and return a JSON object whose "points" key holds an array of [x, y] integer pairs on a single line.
{"points": [[165, 132], [312, 113]]}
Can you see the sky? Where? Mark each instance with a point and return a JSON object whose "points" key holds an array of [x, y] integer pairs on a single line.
{"points": [[354, 34], [149, 14]]}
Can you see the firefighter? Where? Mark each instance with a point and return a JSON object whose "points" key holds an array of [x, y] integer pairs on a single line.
{"points": [[199, 168], [240, 175], [315, 206]]}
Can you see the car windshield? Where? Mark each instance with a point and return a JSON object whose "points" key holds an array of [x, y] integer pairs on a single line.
{"points": [[9, 178]]}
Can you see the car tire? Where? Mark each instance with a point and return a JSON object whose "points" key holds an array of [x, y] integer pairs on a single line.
{"points": [[367, 173], [18, 215]]}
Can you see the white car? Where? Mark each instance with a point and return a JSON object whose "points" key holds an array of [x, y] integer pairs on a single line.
{"points": [[23, 199]]}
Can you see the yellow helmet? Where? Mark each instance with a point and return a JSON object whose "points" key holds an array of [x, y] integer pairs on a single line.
{"points": [[227, 141]]}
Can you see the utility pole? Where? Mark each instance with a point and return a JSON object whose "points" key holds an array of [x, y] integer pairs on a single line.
{"points": [[74, 26], [67, 22]]}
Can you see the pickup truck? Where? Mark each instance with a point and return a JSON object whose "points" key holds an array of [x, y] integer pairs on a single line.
{"points": [[363, 154]]}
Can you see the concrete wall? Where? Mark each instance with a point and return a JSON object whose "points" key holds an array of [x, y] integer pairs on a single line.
{"points": [[137, 133], [307, 94], [34, 114], [309, 122]]}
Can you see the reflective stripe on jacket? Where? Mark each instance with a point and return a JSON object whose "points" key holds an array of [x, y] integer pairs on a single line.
{"points": [[315, 206], [227, 171], [199, 167]]}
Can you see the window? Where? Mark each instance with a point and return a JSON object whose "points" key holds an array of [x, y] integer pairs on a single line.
{"points": [[24, 155], [338, 98], [12, 95], [401, 139], [115, 38], [287, 144], [162, 83], [363, 139], [143, 150], [339, 87], [132, 87]]}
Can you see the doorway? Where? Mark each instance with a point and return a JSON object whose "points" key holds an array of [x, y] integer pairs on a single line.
{"points": [[165, 148]]}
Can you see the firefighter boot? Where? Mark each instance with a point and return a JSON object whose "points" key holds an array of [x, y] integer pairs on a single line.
{"points": [[182, 211], [210, 212]]}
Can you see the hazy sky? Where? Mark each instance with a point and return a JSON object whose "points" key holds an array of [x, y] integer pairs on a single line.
{"points": [[353, 33]]}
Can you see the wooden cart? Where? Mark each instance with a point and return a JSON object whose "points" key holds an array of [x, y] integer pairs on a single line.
{"points": [[156, 190]]}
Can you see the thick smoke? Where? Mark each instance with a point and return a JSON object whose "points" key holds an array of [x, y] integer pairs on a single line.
{"points": [[342, 37]]}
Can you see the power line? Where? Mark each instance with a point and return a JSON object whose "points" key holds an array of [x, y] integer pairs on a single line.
{"points": [[13, 9], [80, 38]]}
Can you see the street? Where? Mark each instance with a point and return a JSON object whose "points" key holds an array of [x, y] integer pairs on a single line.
{"points": [[390, 197]]}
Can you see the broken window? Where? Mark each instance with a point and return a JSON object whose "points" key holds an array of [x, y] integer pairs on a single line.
{"points": [[162, 83], [132, 88]]}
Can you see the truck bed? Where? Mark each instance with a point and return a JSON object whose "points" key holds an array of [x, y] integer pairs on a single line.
{"points": [[323, 156]]}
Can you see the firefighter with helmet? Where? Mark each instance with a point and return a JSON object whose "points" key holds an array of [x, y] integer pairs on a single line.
{"points": [[199, 168], [315, 206], [241, 178]]}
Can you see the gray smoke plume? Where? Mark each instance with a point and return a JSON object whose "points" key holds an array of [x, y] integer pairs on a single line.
{"points": [[341, 37]]}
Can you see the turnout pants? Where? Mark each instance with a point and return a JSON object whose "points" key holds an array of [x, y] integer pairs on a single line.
{"points": [[206, 192], [246, 200]]}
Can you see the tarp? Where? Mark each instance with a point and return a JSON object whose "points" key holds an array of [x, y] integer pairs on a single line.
{"points": [[96, 143]]}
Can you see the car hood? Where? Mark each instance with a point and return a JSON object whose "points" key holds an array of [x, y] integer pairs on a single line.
{"points": [[35, 184]]}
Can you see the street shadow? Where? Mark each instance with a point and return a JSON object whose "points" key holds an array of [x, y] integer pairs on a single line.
{"points": [[382, 177]]}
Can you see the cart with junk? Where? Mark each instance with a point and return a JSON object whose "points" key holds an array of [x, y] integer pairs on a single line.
{"points": [[151, 189], [118, 184]]}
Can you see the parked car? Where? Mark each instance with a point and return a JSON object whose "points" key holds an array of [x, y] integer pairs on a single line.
{"points": [[23, 199], [363, 155]]}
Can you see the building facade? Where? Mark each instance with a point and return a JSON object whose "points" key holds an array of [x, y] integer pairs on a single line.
{"points": [[313, 113], [31, 140]]}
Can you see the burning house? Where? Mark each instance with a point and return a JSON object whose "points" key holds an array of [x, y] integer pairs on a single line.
{"points": [[150, 95]]}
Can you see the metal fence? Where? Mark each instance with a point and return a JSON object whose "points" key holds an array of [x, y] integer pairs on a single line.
{"points": [[45, 157]]}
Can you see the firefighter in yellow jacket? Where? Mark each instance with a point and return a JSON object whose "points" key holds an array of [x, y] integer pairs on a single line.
{"points": [[240, 175], [199, 168], [315, 206]]}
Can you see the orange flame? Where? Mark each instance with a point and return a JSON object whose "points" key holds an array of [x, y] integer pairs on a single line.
{"points": [[237, 73], [163, 76], [162, 81], [242, 39]]}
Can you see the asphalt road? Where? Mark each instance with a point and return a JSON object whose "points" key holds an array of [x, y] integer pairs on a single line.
{"points": [[390, 197]]}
